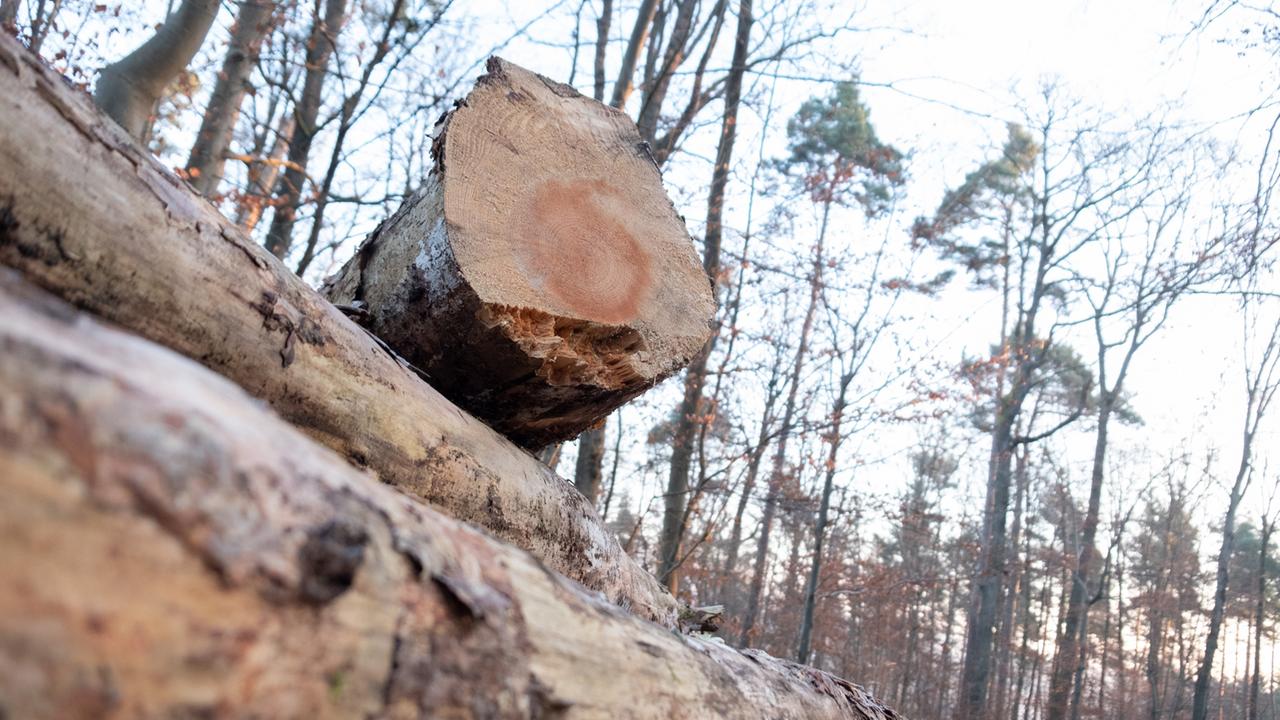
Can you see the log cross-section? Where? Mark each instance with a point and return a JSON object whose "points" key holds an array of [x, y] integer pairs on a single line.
{"points": [[169, 548], [541, 277], [91, 216]]}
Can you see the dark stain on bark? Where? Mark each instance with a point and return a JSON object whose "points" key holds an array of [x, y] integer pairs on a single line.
{"points": [[49, 250], [329, 559], [543, 705]]}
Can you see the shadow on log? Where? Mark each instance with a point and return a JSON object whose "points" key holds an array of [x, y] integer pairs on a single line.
{"points": [[541, 276]]}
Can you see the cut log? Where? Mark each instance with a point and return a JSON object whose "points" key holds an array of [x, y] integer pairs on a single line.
{"points": [[92, 217], [169, 548], [541, 277]]}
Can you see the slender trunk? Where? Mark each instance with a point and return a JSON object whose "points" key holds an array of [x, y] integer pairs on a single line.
{"points": [[208, 154], [979, 644], [9, 14], [261, 176], [777, 473], [655, 91], [1200, 700], [320, 46], [820, 526], [613, 471], [550, 455], [622, 87], [42, 23], [748, 487], [129, 89], [1068, 646], [602, 46], [1259, 619], [689, 415], [590, 465], [347, 117]]}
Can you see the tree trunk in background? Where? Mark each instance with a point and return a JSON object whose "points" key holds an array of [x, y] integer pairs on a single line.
{"points": [[550, 455], [978, 645], [820, 525], [156, 259], [655, 91], [777, 473], [1259, 618], [688, 414], [590, 466], [261, 176], [208, 154], [1068, 648], [347, 117], [9, 14], [1200, 700], [602, 48], [543, 326], [320, 46], [129, 89], [205, 558], [622, 87]]}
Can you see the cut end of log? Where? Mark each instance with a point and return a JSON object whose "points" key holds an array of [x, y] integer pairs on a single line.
{"points": [[547, 277]]}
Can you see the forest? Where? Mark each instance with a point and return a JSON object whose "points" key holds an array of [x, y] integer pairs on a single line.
{"points": [[977, 420]]}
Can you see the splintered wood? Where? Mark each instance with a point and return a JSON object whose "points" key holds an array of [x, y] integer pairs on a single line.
{"points": [[541, 277]]}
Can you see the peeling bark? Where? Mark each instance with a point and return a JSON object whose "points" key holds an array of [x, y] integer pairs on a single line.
{"points": [[206, 559], [541, 277], [92, 217]]}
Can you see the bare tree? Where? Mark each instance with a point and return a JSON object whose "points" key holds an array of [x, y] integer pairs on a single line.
{"points": [[320, 45], [695, 376], [129, 89], [1261, 380], [208, 154], [1129, 303]]}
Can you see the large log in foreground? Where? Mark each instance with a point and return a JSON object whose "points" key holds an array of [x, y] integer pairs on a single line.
{"points": [[92, 217], [168, 548], [541, 277]]}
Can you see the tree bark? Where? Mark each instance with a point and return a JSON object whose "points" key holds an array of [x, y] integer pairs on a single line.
{"points": [[204, 558], [92, 217], [542, 277], [622, 87], [129, 89], [208, 154], [320, 45], [9, 14]]}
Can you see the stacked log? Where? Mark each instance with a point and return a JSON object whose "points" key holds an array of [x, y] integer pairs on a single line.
{"points": [[168, 548], [171, 546], [541, 276]]}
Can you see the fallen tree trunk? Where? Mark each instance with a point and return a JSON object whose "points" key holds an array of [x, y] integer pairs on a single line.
{"points": [[92, 217], [541, 277], [168, 548]]}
